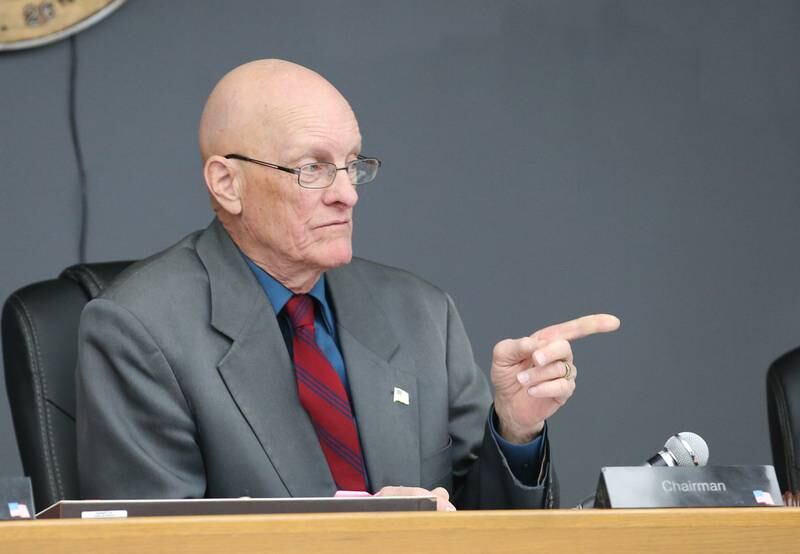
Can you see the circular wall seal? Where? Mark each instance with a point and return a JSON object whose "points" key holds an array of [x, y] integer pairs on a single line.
{"points": [[30, 23]]}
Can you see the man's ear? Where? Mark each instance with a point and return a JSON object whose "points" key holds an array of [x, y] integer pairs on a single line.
{"points": [[224, 183]]}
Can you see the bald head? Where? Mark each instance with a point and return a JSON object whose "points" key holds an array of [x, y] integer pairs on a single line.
{"points": [[251, 107]]}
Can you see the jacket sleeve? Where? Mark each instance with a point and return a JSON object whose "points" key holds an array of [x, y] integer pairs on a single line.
{"points": [[136, 436], [482, 478]]}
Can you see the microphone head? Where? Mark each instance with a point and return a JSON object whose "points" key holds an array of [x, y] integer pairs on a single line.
{"points": [[688, 449]]}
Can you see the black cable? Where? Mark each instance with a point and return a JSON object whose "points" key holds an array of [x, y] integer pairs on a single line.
{"points": [[76, 146]]}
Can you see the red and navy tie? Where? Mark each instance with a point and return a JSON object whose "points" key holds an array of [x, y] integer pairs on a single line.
{"points": [[324, 398]]}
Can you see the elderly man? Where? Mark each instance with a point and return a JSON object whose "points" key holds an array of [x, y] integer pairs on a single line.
{"points": [[256, 358]]}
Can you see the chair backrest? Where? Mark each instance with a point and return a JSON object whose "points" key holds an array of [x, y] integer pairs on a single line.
{"points": [[783, 411], [40, 332]]}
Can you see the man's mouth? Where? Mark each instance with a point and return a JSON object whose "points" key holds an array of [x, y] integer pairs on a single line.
{"points": [[334, 223]]}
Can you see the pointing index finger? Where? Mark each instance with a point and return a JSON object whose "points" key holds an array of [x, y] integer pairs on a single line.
{"points": [[579, 328]]}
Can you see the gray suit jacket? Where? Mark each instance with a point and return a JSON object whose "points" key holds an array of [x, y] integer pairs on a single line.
{"points": [[185, 387]]}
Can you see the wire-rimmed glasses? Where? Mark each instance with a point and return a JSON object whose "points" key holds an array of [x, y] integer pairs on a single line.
{"points": [[320, 175]]}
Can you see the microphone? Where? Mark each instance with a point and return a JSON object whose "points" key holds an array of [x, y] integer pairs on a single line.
{"points": [[681, 450]]}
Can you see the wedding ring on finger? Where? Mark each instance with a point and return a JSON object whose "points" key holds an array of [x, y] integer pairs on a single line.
{"points": [[569, 370]]}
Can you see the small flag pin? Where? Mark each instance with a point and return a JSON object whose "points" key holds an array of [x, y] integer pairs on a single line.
{"points": [[400, 396]]}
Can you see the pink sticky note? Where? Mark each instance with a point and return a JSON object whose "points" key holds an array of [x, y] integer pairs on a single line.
{"points": [[351, 494]]}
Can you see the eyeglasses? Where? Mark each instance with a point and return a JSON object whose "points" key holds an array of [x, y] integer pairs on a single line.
{"points": [[320, 175]]}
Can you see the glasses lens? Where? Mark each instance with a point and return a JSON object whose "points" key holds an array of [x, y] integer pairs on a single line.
{"points": [[363, 171], [318, 175]]}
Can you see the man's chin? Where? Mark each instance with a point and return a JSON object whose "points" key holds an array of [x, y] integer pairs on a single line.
{"points": [[336, 257]]}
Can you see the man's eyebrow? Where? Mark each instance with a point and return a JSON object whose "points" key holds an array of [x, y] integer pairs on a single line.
{"points": [[318, 152]]}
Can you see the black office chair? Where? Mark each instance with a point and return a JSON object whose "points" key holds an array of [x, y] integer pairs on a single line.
{"points": [[783, 411], [40, 330]]}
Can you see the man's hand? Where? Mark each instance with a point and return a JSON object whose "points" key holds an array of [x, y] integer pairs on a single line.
{"points": [[534, 376], [442, 496]]}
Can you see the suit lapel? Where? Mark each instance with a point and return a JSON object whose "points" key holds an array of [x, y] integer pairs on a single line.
{"points": [[257, 369], [376, 365]]}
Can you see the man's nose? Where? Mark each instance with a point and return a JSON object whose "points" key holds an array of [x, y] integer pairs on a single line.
{"points": [[342, 190]]}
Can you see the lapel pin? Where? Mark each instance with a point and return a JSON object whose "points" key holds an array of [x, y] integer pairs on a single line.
{"points": [[400, 396]]}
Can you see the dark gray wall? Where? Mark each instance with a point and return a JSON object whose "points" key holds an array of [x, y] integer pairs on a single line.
{"points": [[542, 160]]}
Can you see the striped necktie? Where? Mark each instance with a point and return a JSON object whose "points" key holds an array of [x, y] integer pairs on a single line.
{"points": [[324, 398]]}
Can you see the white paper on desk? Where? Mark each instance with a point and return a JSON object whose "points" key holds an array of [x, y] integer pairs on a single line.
{"points": [[103, 514]]}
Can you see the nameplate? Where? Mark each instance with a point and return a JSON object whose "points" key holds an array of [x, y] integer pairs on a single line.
{"points": [[687, 487], [16, 498]]}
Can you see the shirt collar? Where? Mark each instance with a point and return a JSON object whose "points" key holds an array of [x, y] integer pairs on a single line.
{"points": [[279, 295]]}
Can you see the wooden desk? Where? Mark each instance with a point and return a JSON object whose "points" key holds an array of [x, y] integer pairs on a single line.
{"points": [[725, 530]]}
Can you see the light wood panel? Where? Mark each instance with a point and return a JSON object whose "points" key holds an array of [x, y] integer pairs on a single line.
{"points": [[728, 530]]}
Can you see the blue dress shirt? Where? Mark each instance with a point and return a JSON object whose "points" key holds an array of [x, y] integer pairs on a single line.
{"points": [[523, 460], [324, 328]]}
